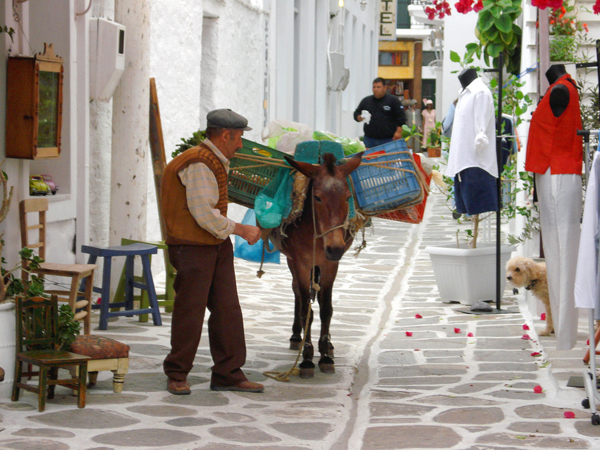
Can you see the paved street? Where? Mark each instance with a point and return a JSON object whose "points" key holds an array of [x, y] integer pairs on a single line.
{"points": [[460, 381]]}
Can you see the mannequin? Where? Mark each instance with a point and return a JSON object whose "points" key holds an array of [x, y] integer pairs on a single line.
{"points": [[559, 95], [554, 155], [472, 159], [467, 76]]}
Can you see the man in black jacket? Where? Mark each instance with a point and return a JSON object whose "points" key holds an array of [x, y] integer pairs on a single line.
{"points": [[385, 117]]}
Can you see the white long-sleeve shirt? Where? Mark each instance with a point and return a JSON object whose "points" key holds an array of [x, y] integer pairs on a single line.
{"points": [[202, 192], [473, 141], [586, 281]]}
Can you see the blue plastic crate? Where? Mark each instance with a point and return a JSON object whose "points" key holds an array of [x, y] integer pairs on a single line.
{"points": [[380, 189]]}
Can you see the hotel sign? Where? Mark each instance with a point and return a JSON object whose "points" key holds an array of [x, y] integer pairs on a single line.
{"points": [[387, 20]]}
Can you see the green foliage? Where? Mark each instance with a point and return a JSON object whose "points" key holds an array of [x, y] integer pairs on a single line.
{"points": [[34, 287], [68, 327], [408, 133], [434, 136], [196, 139], [498, 33], [10, 31]]}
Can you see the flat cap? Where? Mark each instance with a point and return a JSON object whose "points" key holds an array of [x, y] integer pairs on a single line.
{"points": [[226, 118]]}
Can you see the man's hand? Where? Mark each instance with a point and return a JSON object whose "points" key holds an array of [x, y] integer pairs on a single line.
{"points": [[250, 233], [398, 134], [360, 119]]}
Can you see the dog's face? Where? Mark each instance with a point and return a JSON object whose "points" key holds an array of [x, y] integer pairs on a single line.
{"points": [[518, 271]]}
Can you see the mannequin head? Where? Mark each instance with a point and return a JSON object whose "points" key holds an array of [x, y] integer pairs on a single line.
{"points": [[467, 76], [555, 72]]}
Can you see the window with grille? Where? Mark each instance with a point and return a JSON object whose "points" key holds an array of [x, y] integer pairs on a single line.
{"points": [[394, 58]]}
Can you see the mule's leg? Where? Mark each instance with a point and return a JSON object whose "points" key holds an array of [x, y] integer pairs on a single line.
{"points": [[296, 338], [301, 274], [326, 363]]}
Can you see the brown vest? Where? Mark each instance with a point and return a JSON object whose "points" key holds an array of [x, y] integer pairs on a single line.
{"points": [[180, 226]]}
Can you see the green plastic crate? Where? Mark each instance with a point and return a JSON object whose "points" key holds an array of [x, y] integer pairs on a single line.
{"points": [[248, 178]]}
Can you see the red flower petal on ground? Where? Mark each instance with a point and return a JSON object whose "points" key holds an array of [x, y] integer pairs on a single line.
{"points": [[525, 337], [470, 335], [538, 389], [526, 327], [418, 316], [409, 333], [543, 316], [536, 354], [569, 415], [457, 330]]}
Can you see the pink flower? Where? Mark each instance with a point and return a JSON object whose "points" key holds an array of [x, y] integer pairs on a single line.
{"points": [[526, 327], [597, 7], [478, 6], [470, 335], [538, 389], [418, 316], [543, 316], [409, 333], [457, 330], [569, 415], [525, 337]]}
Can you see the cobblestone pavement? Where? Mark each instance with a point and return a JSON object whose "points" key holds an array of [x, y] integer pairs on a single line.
{"points": [[460, 381]]}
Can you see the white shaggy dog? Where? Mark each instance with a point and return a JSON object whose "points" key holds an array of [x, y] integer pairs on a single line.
{"points": [[525, 272]]}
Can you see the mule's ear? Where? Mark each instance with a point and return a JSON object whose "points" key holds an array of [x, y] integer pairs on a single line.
{"points": [[306, 168], [351, 165]]}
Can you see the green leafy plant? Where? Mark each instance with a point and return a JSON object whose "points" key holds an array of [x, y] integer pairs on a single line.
{"points": [[196, 138], [434, 136], [8, 30], [68, 327], [11, 286], [498, 33]]}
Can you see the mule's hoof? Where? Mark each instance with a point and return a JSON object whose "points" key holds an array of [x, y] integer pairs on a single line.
{"points": [[307, 373], [295, 345], [307, 369], [327, 368]]}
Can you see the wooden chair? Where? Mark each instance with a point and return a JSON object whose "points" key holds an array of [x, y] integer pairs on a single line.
{"points": [[80, 301], [37, 336]]}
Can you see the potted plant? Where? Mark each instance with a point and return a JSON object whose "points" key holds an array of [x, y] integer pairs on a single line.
{"points": [[434, 142], [466, 271], [567, 34]]}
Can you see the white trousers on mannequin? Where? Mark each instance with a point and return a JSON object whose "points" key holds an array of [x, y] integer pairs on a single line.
{"points": [[560, 201]]}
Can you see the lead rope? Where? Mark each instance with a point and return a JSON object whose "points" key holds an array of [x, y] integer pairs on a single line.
{"points": [[314, 288]]}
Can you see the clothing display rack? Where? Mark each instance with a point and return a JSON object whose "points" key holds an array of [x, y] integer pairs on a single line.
{"points": [[590, 378]]}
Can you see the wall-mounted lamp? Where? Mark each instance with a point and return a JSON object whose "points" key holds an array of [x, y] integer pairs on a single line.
{"points": [[363, 4], [341, 3]]}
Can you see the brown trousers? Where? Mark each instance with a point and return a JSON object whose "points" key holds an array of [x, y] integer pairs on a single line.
{"points": [[206, 279]]}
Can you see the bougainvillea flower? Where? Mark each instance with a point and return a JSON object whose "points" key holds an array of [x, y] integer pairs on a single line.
{"points": [[478, 6], [569, 415], [418, 316], [596, 7], [526, 327], [535, 354], [457, 330], [543, 316], [409, 333], [525, 337], [470, 335]]}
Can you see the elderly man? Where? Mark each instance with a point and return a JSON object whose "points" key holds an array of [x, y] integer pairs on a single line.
{"points": [[194, 211]]}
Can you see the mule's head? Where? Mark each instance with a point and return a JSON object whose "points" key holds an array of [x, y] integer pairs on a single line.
{"points": [[330, 196]]}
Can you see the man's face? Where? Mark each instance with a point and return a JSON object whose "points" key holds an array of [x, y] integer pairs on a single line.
{"points": [[232, 142], [378, 90]]}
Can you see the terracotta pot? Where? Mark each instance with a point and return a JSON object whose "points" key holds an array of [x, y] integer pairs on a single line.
{"points": [[434, 152]]}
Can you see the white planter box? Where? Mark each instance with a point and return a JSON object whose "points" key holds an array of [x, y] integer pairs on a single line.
{"points": [[7, 347], [468, 275]]}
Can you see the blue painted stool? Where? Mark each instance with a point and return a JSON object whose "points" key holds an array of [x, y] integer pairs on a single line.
{"points": [[130, 252]]}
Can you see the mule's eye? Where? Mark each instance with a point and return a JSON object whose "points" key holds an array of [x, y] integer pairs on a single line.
{"points": [[317, 199], [517, 270]]}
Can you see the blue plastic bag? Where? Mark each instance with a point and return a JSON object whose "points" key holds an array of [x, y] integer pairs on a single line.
{"points": [[254, 252]]}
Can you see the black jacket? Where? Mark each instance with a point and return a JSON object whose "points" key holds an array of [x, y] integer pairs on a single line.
{"points": [[387, 114]]}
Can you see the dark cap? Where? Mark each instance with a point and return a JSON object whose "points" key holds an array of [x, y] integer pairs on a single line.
{"points": [[226, 118]]}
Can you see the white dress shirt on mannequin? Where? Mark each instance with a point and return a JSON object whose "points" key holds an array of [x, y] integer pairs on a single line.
{"points": [[473, 141]]}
